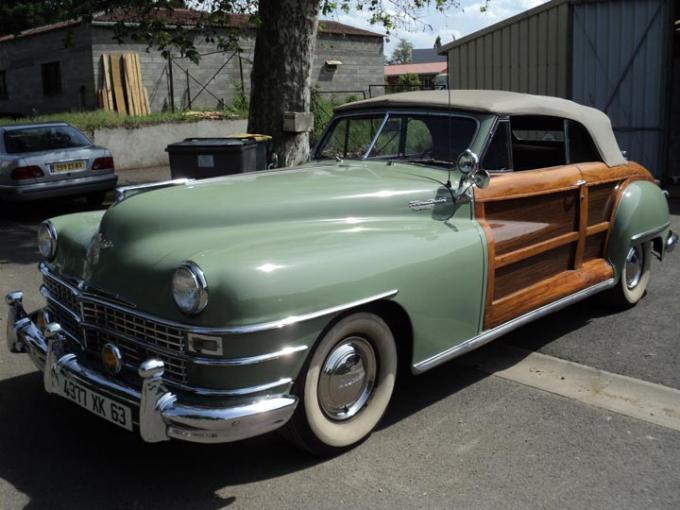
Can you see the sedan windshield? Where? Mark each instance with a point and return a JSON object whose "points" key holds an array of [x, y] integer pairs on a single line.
{"points": [[44, 138], [431, 138]]}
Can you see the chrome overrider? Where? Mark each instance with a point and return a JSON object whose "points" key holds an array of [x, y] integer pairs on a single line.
{"points": [[671, 242], [161, 415]]}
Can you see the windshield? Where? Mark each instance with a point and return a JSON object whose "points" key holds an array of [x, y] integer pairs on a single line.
{"points": [[433, 138], [34, 139]]}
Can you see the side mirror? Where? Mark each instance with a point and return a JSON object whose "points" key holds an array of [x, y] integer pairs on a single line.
{"points": [[482, 179], [468, 165], [468, 162]]}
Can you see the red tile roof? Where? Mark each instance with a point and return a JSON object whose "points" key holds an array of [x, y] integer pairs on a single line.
{"points": [[188, 17], [427, 68]]}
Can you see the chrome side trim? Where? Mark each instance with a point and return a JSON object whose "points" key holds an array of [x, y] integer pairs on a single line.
{"points": [[491, 334], [234, 330], [249, 360], [651, 232]]}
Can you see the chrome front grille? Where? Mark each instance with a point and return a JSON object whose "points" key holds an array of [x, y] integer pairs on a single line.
{"points": [[61, 293], [127, 324], [137, 337]]}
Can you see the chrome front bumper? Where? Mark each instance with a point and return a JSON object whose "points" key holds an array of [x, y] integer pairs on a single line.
{"points": [[161, 415]]}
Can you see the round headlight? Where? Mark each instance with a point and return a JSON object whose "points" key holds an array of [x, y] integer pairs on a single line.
{"points": [[47, 240], [190, 288], [468, 162]]}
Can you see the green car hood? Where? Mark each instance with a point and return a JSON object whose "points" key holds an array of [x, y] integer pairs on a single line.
{"points": [[264, 240]]}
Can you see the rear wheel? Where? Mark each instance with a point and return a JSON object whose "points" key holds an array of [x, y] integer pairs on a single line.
{"points": [[346, 385], [634, 279]]}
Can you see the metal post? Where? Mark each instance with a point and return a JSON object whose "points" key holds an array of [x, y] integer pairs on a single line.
{"points": [[171, 84], [240, 68], [188, 90]]}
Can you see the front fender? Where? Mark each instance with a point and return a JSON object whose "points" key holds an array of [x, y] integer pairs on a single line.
{"points": [[640, 216]]}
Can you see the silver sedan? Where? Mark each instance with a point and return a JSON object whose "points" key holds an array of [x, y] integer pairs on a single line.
{"points": [[39, 161]]}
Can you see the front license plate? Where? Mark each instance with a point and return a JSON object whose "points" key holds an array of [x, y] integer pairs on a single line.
{"points": [[69, 166], [98, 404]]}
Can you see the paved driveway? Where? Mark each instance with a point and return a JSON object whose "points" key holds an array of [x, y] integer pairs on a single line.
{"points": [[453, 437]]}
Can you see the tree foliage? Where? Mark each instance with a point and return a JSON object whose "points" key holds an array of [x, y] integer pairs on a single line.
{"points": [[402, 53], [408, 81]]}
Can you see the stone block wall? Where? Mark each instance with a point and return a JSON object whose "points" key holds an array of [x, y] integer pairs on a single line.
{"points": [[21, 60]]}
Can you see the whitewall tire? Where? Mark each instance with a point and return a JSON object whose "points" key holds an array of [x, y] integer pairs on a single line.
{"points": [[345, 386]]}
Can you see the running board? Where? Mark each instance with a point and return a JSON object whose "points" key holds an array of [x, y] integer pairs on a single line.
{"points": [[487, 336]]}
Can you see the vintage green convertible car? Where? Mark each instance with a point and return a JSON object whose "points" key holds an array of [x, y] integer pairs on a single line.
{"points": [[426, 224]]}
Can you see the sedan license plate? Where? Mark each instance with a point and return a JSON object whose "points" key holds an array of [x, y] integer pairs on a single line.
{"points": [[98, 404], [68, 166]]}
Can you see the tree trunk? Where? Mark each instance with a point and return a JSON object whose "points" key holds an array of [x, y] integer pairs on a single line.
{"points": [[281, 74]]}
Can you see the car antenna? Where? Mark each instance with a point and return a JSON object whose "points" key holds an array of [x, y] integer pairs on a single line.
{"points": [[448, 179]]}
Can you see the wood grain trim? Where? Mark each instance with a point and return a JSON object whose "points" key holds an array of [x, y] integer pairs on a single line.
{"points": [[582, 225], [535, 249], [599, 173], [546, 291], [597, 228], [529, 183], [491, 253]]}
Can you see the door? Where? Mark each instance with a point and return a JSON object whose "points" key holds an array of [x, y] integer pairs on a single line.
{"points": [[541, 245]]}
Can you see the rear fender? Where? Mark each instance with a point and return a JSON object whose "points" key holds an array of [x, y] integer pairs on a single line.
{"points": [[641, 216]]}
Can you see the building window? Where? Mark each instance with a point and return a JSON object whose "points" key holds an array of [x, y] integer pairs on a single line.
{"points": [[3, 85], [51, 78]]}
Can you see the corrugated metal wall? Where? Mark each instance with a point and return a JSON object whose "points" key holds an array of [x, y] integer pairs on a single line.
{"points": [[527, 53], [619, 66]]}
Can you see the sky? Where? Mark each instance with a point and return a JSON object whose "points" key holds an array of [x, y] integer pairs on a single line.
{"points": [[452, 23]]}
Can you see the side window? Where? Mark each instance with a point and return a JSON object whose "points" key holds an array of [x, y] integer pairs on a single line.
{"points": [[497, 157], [537, 142], [581, 146]]}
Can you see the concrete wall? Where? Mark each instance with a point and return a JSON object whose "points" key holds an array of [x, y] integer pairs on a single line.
{"points": [[145, 146], [21, 59]]}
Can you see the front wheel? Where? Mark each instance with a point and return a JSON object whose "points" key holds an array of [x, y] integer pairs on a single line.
{"points": [[346, 385], [634, 279]]}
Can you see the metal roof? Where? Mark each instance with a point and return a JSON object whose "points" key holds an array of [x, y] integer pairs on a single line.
{"points": [[507, 103]]}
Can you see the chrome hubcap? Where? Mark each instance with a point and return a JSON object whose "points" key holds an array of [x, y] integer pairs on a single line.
{"points": [[634, 263], [347, 378]]}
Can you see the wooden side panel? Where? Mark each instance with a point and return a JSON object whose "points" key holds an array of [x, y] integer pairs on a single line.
{"points": [[547, 230], [519, 222], [546, 291], [529, 271]]}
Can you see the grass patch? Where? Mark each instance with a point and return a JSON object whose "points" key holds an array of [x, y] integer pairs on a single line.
{"points": [[100, 119]]}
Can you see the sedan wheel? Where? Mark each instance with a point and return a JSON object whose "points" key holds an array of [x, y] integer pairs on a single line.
{"points": [[347, 384]]}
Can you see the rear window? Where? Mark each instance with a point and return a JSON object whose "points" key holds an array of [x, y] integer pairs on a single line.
{"points": [[45, 138]]}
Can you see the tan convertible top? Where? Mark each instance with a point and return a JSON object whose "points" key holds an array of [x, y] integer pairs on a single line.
{"points": [[507, 103]]}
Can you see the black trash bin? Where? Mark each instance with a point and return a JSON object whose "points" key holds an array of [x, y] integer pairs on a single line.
{"points": [[200, 158]]}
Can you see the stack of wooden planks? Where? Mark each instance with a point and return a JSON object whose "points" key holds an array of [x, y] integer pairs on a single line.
{"points": [[122, 89]]}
